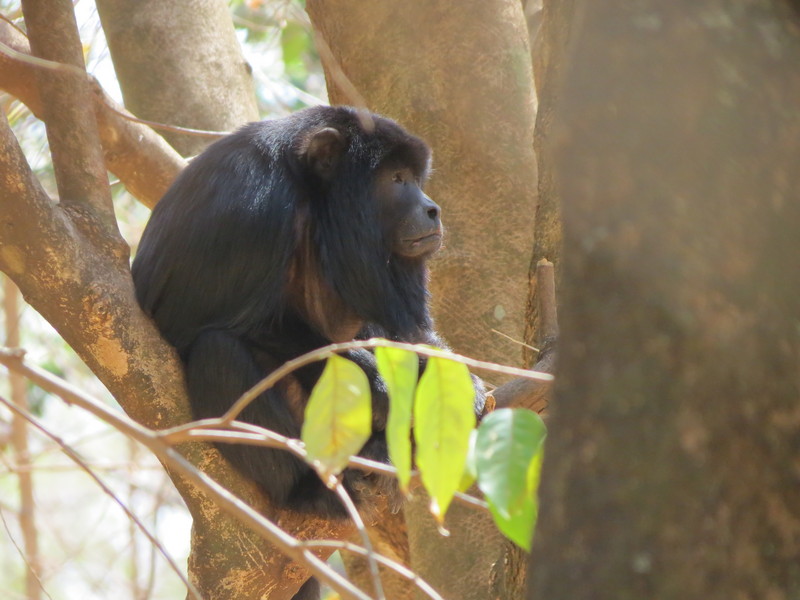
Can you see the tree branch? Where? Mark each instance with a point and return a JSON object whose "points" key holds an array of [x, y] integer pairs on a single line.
{"points": [[176, 463], [141, 158], [71, 126], [87, 295]]}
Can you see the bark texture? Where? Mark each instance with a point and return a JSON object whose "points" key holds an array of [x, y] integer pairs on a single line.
{"points": [[671, 468], [180, 63], [549, 60], [461, 78]]}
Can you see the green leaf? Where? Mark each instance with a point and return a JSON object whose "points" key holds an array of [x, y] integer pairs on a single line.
{"points": [[508, 456], [470, 475], [399, 369], [338, 416], [520, 525], [444, 416]]}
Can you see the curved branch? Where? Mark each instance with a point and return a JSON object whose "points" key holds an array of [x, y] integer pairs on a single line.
{"points": [[87, 294], [71, 127], [326, 351], [141, 158], [176, 463]]}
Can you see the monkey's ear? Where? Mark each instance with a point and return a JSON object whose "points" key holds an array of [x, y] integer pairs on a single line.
{"points": [[322, 150]]}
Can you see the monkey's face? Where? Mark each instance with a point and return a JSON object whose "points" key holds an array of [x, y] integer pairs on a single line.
{"points": [[411, 221]]}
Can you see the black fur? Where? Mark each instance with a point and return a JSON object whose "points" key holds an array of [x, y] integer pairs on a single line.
{"points": [[281, 238]]}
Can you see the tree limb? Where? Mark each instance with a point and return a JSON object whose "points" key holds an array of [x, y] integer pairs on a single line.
{"points": [[71, 127], [176, 463], [141, 158]]}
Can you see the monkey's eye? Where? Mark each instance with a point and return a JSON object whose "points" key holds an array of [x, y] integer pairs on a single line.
{"points": [[398, 177]]}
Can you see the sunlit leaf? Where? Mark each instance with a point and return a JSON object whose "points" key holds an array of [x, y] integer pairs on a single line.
{"points": [[508, 455], [338, 417], [443, 419], [399, 369]]}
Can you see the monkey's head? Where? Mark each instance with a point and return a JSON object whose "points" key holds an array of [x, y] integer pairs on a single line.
{"points": [[396, 170], [373, 225]]}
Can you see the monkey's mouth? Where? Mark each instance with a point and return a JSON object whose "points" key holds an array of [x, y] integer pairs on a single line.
{"points": [[425, 244], [426, 239]]}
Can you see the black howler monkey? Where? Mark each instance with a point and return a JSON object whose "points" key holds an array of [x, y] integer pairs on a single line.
{"points": [[281, 238]]}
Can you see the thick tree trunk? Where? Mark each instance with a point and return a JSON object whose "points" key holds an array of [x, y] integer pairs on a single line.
{"points": [[671, 468], [179, 63], [460, 76]]}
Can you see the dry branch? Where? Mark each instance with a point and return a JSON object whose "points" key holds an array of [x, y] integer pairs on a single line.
{"points": [[141, 158], [177, 463], [68, 451], [71, 126], [74, 278]]}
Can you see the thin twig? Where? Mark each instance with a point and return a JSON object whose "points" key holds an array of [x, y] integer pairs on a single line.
{"points": [[516, 341], [223, 498], [239, 432], [362, 531], [327, 351], [21, 551], [75, 457], [395, 566]]}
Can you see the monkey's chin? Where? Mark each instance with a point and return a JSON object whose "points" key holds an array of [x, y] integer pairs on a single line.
{"points": [[420, 247]]}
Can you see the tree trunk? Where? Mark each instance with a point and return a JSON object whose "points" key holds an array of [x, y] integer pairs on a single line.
{"points": [[549, 59], [671, 467], [180, 63], [461, 78]]}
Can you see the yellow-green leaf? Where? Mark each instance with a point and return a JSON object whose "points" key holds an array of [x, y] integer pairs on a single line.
{"points": [[443, 419], [338, 417], [399, 369]]}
